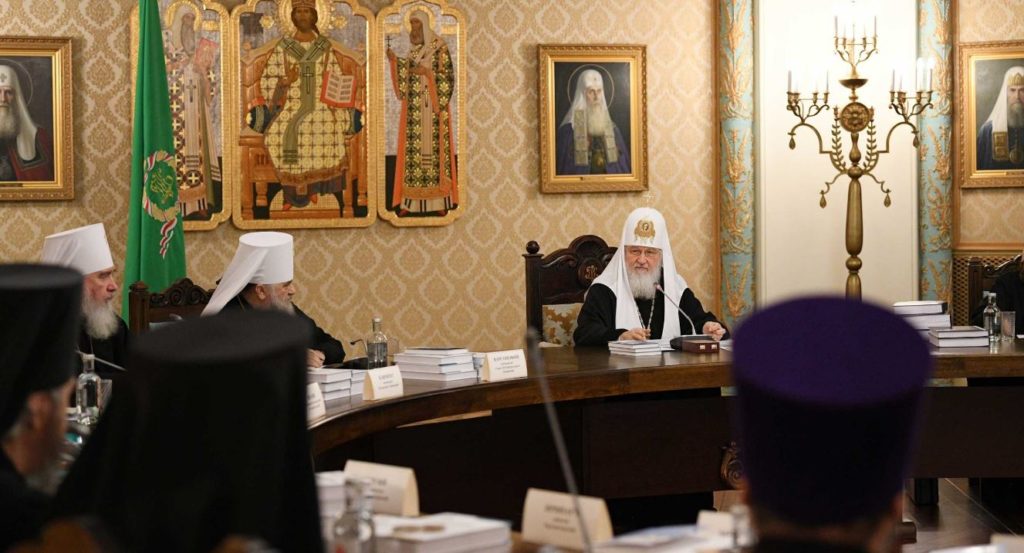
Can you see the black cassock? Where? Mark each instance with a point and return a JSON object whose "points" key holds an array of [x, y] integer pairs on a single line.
{"points": [[333, 351], [23, 508], [595, 325]]}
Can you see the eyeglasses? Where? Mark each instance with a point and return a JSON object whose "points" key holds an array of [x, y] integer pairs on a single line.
{"points": [[649, 253]]}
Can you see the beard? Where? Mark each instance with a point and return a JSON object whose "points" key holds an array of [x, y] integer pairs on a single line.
{"points": [[1015, 115], [598, 121], [283, 305], [643, 284], [188, 39], [100, 320], [8, 123]]}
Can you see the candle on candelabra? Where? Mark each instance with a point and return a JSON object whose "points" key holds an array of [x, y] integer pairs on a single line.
{"points": [[874, 27], [835, 26], [826, 81], [789, 81], [892, 87]]}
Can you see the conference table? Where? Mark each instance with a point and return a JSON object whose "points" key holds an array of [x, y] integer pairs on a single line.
{"points": [[637, 427]]}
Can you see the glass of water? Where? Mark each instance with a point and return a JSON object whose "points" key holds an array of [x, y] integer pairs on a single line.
{"points": [[1008, 324]]}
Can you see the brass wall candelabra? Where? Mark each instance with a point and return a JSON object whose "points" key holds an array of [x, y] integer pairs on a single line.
{"points": [[856, 118]]}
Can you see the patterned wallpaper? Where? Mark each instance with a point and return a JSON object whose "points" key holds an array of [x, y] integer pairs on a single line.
{"points": [[995, 215], [457, 284]]}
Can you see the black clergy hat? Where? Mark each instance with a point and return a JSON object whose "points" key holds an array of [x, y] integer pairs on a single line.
{"points": [[40, 312], [829, 396], [208, 440]]}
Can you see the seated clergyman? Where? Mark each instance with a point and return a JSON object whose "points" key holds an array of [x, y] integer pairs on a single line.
{"points": [[39, 310], [827, 412], [103, 333], [638, 288], [261, 276]]}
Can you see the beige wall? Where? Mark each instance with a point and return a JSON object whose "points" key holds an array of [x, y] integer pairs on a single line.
{"points": [[992, 216], [461, 284]]}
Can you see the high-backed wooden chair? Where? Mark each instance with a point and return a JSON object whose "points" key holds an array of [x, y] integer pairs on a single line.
{"points": [[981, 278], [180, 300], [556, 283]]}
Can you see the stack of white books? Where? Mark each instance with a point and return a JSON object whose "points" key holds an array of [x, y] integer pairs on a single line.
{"points": [[437, 364], [636, 348], [443, 532], [358, 377], [924, 314], [959, 337], [334, 383]]}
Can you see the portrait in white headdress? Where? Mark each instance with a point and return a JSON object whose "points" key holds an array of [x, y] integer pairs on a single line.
{"points": [[1001, 137], [25, 147], [588, 139]]}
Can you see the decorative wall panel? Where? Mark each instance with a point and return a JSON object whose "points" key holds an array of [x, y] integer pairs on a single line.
{"points": [[992, 216], [462, 283]]}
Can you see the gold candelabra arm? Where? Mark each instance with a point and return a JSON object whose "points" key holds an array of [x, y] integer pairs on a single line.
{"points": [[828, 188], [804, 109], [881, 184]]}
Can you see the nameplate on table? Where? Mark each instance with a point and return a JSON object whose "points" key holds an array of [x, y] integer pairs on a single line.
{"points": [[383, 383], [550, 518], [393, 489], [715, 523], [503, 365], [315, 407]]}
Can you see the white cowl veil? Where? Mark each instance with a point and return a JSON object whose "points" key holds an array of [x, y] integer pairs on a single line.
{"points": [[644, 227]]}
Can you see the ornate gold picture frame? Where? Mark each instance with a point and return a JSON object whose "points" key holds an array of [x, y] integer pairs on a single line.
{"points": [[990, 126], [300, 114], [593, 117], [421, 132], [37, 151]]}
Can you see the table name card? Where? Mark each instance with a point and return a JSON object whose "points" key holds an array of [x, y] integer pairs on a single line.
{"points": [[503, 365], [315, 407], [393, 489], [383, 383], [550, 518]]}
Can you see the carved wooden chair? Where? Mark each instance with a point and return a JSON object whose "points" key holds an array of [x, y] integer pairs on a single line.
{"points": [[981, 278], [557, 282], [180, 300]]}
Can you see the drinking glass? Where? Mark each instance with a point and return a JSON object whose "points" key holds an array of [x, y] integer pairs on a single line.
{"points": [[1008, 324]]}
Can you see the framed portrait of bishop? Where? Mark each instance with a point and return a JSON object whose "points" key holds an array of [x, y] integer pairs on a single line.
{"points": [[36, 144], [990, 127], [593, 117]]}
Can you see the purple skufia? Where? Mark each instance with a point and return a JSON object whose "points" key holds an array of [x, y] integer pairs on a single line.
{"points": [[829, 392]]}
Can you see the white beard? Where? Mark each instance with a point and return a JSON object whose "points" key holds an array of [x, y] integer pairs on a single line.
{"points": [[8, 123], [643, 284], [100, 320], [1015, 115], [598, 121], [283, 305]]}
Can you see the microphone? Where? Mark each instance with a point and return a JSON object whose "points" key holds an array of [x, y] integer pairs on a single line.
{"points": [[104, 361], [533, 345], [657, 286]]}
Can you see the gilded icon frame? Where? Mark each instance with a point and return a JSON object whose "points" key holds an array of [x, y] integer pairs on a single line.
{"points": [[981, 68], [46, 59], [393, 30], [239, 138], [563, 65]]}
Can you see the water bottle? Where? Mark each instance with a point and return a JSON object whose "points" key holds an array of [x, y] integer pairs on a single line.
{"points": [[377, 347], [87, 392], [990, 318], [353, 530]]}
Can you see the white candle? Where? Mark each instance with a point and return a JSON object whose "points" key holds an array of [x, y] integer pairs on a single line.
{"points": [[826, 81], [930, 79], [789, 81], [874, 28], [835, 25], [892, 86]]}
